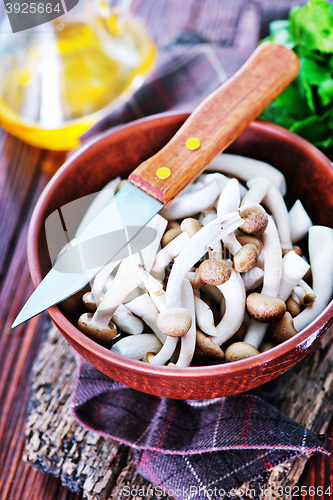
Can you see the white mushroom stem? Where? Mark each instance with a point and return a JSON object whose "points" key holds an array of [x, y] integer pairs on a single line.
{"points": [[126, 321], [153, 287], [194, 250], [163, 356], [127, 277], [168, 253], [204, 316], [293, 269], [234, 296], [144, 307], [252, 279], [271, 281], [193, 202], [299, 221], [207, 215], [229, 201], [98, 203], [100, 281], [321, 260], [187, 341], [137, 346], [258, 187], [246, 168]]}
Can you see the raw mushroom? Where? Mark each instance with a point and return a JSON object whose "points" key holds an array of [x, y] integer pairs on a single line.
{"points": [[204, 316], [255, 219], [283, 329], [127, 277], [264, 308], [234, 299], [194, 250], [136, 347], [321, 260], [167, 254]]}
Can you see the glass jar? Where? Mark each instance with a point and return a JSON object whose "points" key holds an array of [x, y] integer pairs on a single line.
{"points": [[59, 78]]}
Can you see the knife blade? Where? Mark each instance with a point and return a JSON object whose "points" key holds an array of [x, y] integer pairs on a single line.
{"points": [[214, 124]]}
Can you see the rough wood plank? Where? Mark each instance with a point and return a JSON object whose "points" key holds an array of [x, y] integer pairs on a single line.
{"points": [[90, 464]]}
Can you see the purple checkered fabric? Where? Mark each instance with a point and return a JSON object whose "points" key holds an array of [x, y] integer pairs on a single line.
{"points": [[191, 447], [194, 449]]}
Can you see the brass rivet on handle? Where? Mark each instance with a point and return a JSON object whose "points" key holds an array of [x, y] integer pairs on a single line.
{"points": [[163, 172], [193, 143]]}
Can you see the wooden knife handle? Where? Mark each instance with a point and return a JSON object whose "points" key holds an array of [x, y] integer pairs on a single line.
{"points": [[218, 120]]}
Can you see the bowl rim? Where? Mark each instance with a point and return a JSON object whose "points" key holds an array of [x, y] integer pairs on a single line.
{"points": [[301, 341]]}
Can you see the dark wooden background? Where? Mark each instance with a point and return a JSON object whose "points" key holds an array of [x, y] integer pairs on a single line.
{"points": [[24, 171]]}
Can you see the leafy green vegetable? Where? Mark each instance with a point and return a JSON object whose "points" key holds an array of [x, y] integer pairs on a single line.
{"points": [[306, 106]]}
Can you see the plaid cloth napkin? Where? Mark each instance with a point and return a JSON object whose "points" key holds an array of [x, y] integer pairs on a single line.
{"points": [[192, 449]]}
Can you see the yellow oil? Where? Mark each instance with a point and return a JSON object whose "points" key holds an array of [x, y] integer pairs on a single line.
{"points": [[60, 83]]}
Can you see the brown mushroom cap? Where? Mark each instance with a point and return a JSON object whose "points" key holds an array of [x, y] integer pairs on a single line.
{"points": [[246, 258], [89, 302], [255, 218], [293, 307], [283, 329], [170, 235], [206, 348], [214, 271], [239, 350], [191, 226], [174, 322], [264, 308], [309, 298], [100, 335], [244, 239]]}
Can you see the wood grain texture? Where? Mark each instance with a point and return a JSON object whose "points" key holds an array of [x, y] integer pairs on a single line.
{"points": [[218, 120]]}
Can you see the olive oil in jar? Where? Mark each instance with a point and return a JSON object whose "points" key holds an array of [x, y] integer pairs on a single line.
{"points": [[58, 79]]}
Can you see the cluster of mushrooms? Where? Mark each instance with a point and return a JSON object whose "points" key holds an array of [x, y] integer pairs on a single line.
{"points": [[223, 279]]}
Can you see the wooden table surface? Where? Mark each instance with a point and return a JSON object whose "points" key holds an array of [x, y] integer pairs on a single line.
{"points": [[24, 171]]}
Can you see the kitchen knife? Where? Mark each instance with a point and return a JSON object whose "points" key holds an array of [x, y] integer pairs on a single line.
{"points": [[214, 124]]}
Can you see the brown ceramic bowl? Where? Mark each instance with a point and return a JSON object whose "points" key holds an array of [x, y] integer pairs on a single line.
{"points": [[309, 176]]}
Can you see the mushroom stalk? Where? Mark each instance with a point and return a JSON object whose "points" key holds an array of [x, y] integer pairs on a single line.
{"points": [[299, 221], [168, 253], [229, 201], [126, 321], [293, 270], [271, 281], [321, 260], [187, 345], [246, 168]]}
